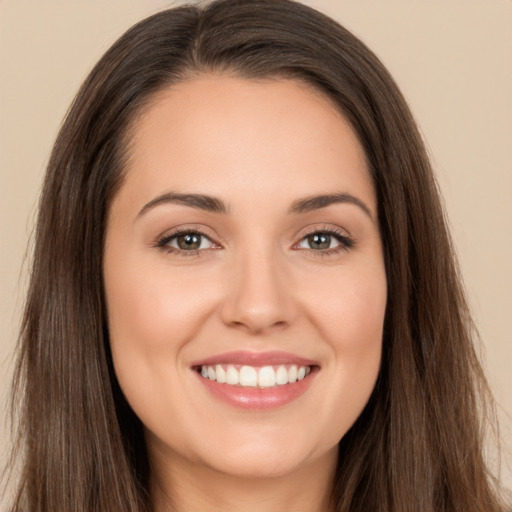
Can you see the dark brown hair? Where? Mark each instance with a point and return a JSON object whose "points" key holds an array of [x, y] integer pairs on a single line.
{"points": [[418, 444]]}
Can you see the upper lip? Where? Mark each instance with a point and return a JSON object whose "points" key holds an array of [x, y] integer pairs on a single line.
{"points": [[255, 359]]}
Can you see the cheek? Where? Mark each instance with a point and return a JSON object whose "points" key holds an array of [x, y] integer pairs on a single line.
{"points": [[350, 317], [153, 308], [145, 317], [355, 330], [348, 307], [153, 312], [151, 318]]}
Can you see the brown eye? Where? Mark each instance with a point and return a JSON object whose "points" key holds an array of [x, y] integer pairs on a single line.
{"points": [[326, 242], [319, 241], [186, 241], [189, 241]]}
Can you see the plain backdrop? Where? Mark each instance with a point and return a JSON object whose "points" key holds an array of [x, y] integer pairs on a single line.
{"points": [[452, 60]]}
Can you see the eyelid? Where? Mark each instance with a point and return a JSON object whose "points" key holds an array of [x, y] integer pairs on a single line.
{"points": [[163, 240], [346, 240]]}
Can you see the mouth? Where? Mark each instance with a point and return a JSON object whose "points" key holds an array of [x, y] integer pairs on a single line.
{"points": [[251, 380], [261, 377]]}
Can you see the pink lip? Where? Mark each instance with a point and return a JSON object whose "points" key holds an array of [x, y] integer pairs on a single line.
{"points": [[255, 359], [257, 398]]}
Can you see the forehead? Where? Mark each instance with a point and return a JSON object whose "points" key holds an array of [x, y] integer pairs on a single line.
{"points": [[224, 135]]}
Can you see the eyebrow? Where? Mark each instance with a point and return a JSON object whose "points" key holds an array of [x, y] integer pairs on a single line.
{"points": [[311, 203], [198, 201], [215, 205]]}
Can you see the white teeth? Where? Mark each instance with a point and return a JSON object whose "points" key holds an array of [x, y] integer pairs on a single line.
{"points": [[232, 376], [220, 373], [281, 376], [249, 376], [266, 377]]}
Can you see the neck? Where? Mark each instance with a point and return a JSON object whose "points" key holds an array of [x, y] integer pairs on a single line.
{"points": [[185, 487]]}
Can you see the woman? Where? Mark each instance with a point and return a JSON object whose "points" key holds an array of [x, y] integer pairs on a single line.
{"points": [[235, 300]]}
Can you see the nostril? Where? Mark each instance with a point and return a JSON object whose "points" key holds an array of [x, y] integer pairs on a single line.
{"points": [[258, 327]]}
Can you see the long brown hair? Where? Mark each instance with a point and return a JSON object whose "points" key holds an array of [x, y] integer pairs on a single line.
{"points": [[418, 444]]}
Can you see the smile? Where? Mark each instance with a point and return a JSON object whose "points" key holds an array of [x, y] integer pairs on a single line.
{"points": [[256, 381], [253, 376]]}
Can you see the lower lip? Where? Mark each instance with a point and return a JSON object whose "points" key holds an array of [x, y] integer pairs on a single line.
{"points": [[258, 398]]}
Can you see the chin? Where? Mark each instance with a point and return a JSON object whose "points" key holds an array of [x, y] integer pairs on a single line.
{"points": [[267, 458], [256, 466]]}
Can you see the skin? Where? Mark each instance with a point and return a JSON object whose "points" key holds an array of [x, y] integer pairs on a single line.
{"points": [[256, 284]]}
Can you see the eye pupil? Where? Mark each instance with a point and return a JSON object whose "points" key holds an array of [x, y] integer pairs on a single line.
{"points": [[319, 241], [189, 241]]}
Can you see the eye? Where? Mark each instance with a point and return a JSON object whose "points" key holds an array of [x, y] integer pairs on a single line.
{"points": [[187, 241], [325, 241]]}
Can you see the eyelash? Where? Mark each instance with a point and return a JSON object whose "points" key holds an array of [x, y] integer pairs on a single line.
{"points": [[166, 239], [346, 242]]}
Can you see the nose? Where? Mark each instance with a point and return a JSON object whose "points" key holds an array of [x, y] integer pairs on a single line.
{"points": [[259, 296]]}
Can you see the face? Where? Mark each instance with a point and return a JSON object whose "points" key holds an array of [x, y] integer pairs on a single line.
{"points": [[244, 277]]}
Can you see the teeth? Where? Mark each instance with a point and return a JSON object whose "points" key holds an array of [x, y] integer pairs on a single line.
{"points": [[249, 376], [266, 377], [232, 375], [220, 374], [281, 376]]}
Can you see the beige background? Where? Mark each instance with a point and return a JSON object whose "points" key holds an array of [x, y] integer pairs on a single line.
{"points": [[452, 59]]}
